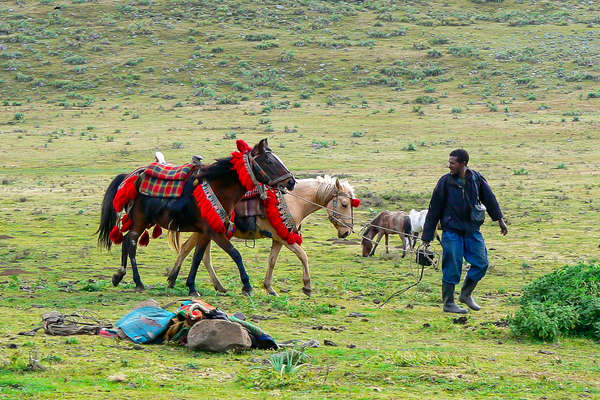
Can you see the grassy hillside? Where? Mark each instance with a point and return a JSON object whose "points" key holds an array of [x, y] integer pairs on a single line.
{"points": [[378, 92]]}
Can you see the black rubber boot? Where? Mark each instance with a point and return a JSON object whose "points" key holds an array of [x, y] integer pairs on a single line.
{"points": [[448, 297], [465, 294]]}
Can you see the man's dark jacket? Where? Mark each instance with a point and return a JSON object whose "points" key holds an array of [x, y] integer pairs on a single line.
{"points": [[450, 204]]}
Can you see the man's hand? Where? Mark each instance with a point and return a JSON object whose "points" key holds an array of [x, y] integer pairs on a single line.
{"points": [[426, 244], [503, 227]]}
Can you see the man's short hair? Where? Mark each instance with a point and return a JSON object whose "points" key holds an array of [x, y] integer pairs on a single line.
{"points": [[461, 155]]}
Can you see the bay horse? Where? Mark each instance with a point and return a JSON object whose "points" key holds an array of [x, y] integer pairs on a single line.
{"points": [[384, 224], [309, 195], [228, 179]]}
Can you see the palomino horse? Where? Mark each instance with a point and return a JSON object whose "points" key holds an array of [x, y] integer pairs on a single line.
{"points": [[221, 184], [384, 224], [308, 196]]}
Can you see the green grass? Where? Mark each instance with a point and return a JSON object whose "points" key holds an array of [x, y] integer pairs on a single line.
{"points": [[367, 99]]}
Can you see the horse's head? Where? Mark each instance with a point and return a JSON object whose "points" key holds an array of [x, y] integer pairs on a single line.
{"points": [[340, 207], [367, 243], [269, 169]]}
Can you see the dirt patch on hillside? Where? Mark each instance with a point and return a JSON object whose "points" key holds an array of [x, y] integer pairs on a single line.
{"points": [[13, 271], [5, 237]]}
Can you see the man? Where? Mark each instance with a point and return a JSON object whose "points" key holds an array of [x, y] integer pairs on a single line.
{"points": [[454, 202]]}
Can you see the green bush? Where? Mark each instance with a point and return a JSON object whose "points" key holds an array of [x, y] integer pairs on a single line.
{"points": [[564, 302]]}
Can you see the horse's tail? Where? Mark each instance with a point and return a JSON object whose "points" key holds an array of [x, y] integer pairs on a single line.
{"points": [[407, 226], [109, 216], [174, 240]]}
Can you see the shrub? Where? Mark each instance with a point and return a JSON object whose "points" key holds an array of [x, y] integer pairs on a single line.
{"points": [[425, 100], [433, 53], [76, 60], [564, 302], [521, 171], [456, 110], [439, 40]]}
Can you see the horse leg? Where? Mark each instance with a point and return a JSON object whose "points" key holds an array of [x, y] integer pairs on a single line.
{"points": [[201, 245], [404, 240], [387, 247], [183, 253], [235, 255], [132, 246], [301, 254], [131, 238], [268, 283], [379, 235], [207, 260], [118, 276]]}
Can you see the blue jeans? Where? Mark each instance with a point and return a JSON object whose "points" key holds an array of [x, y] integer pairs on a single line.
{"points": [[457, 246]]}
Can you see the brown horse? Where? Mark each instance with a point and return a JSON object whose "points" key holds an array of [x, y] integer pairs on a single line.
{"points": [[308, 196], [384, 224], [228, 179]]}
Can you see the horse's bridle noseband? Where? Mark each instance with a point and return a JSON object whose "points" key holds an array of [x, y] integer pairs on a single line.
{"points": [[251, 163], [339, 221]]}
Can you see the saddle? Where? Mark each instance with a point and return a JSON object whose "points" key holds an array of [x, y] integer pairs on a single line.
{"points": [[165, 180]]}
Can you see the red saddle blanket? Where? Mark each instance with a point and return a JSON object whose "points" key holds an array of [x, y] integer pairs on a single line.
{"points": [[159, 180]]}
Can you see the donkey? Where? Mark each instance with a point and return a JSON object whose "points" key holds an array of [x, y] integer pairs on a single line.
{"points": [[384, 224], [308, 196], [205, 207]]}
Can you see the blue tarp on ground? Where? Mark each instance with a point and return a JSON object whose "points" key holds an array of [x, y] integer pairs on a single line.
{"points": [[146, 324]]}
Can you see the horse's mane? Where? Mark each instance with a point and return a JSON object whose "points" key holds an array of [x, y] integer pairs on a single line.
{"points": [[326, 186], [218, 169]]}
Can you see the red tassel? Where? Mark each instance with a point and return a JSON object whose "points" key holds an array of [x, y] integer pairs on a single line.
{"points": [[126, 225], [116, 236], [240, 167], [145, 239], [355, 203], [243, 146], [276, 221], [207, 210], [127, 193], [156, 232]]}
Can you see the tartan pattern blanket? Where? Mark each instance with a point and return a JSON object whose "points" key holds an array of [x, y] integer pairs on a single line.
{"points": [[169, 172], [156, 187], [160, 180]]}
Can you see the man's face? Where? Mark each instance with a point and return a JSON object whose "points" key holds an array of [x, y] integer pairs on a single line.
{"points": [[455, 166]]}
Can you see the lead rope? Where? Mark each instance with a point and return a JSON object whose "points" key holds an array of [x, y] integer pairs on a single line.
{"points": [[341, 222], [434, 261]]}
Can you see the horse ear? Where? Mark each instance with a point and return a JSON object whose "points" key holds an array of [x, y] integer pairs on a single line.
{"points": [[260, 147], [338, 185]]}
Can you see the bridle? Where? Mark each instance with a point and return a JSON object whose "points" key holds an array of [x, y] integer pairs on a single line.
{"points": [[252, 165], [337, 222]]}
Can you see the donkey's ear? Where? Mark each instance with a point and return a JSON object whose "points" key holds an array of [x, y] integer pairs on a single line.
{"points": [[260, 147]]}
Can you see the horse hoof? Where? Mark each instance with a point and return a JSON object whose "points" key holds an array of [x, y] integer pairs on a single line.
{"points": [[220, 289], [116, 279], [194, 293], [171, 283], [140, 288], [272, 292], [247, 292], [307, 292]]}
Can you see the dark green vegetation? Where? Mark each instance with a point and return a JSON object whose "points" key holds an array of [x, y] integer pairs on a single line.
{"points": [[378, 92], [566, 302]]}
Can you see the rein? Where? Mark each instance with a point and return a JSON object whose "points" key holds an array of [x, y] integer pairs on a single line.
{"points": [[331, 217]]}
